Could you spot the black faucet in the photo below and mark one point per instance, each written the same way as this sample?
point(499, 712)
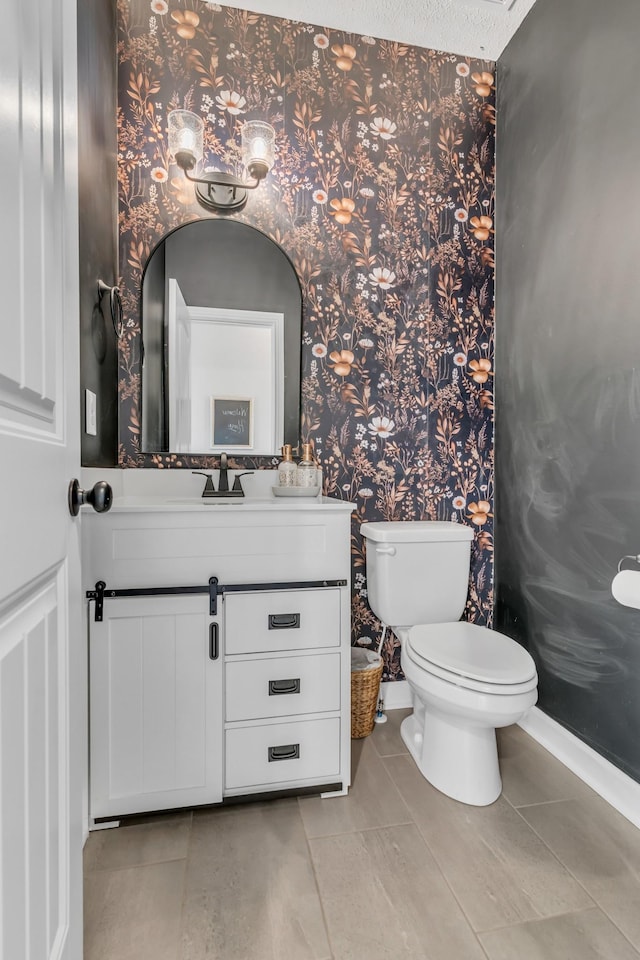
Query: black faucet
point(209, 489)
point(223, 482)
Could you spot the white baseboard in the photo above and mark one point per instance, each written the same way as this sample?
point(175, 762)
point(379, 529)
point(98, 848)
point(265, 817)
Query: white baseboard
point(607, 780)
point(396, 694)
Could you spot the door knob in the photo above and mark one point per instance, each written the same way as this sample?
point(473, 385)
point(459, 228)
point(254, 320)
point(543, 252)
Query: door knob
point(100, 497)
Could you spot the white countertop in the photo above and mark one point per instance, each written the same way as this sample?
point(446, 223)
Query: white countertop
point(148, 504)
point(180, 491)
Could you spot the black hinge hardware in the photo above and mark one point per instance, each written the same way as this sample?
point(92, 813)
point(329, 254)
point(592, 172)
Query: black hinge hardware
point(98, 596)
point(213, 596)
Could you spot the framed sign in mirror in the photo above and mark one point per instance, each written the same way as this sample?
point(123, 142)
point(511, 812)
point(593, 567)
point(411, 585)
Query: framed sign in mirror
point(232, 423)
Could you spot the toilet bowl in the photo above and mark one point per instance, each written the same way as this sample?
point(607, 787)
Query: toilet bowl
point(466, 680)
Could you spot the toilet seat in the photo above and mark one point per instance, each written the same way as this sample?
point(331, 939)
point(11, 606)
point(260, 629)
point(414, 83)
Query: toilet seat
point(470, 656)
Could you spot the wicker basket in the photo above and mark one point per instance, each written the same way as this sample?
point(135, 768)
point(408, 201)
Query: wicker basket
point(365, 685)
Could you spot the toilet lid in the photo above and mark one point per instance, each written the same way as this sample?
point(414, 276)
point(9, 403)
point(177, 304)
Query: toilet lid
point(471, 651)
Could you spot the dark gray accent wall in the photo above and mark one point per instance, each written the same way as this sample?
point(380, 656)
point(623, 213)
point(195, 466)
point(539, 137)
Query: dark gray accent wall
point(568, 361)
point(98, 223)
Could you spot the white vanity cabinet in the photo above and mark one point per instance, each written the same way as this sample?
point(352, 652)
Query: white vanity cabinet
point(241, 688)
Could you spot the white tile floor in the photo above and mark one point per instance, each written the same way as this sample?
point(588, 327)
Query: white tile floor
point(394, 871)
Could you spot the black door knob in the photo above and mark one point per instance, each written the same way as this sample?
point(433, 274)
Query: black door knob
point(100, 497)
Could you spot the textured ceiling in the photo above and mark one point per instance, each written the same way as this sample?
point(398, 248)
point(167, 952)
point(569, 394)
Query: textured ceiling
point(474, 28)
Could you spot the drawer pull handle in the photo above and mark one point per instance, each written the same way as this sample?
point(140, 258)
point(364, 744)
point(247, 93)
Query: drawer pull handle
point(279, 688)
point(288, 751)
point(213, 641)
point(284, 621)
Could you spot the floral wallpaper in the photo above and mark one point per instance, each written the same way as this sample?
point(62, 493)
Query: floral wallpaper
point(382, 195)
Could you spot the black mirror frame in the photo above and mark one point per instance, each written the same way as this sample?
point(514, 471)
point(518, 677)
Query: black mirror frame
point(249, 271)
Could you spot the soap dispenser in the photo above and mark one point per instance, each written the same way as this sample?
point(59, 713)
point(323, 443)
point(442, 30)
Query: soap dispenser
point(287, 470)
point(307, 469)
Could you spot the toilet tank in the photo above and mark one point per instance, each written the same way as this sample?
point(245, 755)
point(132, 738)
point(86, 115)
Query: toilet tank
point(417, 571)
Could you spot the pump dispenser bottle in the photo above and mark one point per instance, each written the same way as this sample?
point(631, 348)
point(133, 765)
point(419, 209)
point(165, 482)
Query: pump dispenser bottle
point(287, 470)
point(307, 469)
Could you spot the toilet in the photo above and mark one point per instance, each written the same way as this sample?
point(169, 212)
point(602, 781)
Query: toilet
point(466, 680)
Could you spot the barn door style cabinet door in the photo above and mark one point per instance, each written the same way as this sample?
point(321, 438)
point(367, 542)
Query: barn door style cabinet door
point(156, 706)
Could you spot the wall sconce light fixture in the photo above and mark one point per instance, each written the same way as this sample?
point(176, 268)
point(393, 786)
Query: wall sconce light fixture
point(221, 192)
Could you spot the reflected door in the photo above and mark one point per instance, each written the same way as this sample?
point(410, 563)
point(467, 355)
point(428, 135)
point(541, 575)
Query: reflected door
point(179, 337)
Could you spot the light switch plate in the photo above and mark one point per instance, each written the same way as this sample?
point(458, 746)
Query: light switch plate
point(90, 413)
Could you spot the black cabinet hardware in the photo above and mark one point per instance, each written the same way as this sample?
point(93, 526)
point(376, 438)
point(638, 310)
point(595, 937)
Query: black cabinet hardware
point(215, 589)
point(100, 594)
point(213, 641)
point(280, 688)
point(284, 621)
point(287, 751)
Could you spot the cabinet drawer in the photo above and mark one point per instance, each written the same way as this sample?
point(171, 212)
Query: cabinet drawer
point(282, 686)
point(282, 752)
point(282, 620)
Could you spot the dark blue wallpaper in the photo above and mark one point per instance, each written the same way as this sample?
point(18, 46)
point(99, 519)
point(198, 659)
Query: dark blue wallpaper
point(382, 195)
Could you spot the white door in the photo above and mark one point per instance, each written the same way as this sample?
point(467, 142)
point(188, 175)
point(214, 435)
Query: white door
point(179, 328)
point(156, 705)
point(41, 701)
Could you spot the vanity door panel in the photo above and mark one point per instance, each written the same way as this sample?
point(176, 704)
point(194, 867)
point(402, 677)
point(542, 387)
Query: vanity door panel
point(283, 620)
point(156, 706)
point(282, 686)
point(279, 753)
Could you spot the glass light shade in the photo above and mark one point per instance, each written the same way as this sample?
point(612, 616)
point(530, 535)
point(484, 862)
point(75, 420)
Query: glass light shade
point(186, 133)
point(258, 147)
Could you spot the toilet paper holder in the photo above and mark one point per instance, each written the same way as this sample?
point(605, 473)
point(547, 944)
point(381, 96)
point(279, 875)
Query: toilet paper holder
point(629, 556)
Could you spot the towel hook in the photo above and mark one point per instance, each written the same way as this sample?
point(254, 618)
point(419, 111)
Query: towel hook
point(115, 306)
point(629, 556)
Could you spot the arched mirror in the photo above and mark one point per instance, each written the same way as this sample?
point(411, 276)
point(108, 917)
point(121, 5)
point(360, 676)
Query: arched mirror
point(221, 332)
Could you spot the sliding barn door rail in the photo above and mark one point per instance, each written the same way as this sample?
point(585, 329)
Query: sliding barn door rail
point(214, 589)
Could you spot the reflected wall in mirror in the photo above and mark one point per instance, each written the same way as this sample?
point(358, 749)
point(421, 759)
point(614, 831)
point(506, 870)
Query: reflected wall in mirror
point(221, 329)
